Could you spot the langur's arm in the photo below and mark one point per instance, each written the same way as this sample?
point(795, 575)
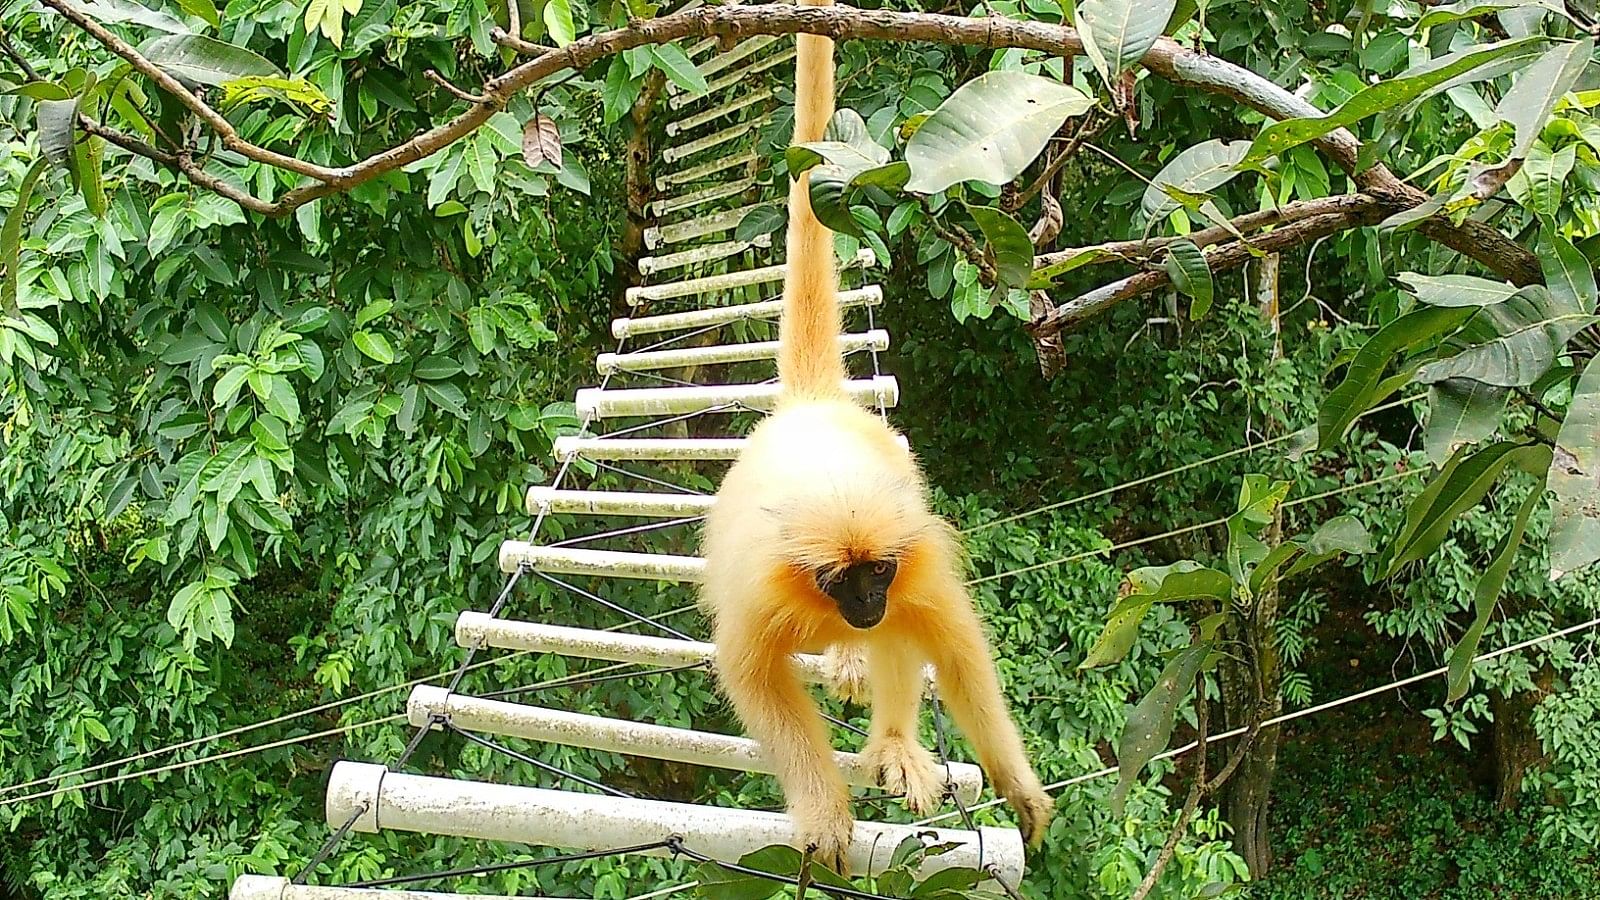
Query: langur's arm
point(970, 689)
point(757, 673)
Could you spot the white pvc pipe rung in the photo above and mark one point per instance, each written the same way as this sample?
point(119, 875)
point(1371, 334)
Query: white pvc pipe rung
point(723, 60)
point(871, 295)
point(695, 198)
point(645, 361)
point(879, 390)
point(712, 223)
point(676, 449)
point(268, 887)
point(699, 748)
point(734, 77)
point(703, 253)
point(714, 139)
point(397, 801)
point(613, 563)
point(681, 449)
point(542, 498)
point(710, 284)
point(705, 169)
point(711, 115)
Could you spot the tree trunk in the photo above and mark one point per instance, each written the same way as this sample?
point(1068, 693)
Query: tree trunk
point(1247, 799)
point(638, 159)
point(1516, 745)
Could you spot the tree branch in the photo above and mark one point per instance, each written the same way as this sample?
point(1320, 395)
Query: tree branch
point(1167, 59)
point(21, 61)
point(182, 162)
point(1229, 256)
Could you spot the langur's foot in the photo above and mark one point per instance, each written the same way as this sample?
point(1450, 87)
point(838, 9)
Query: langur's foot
point(903, 766)
point(824, 834)
point(1033, 806)
point(845, 669)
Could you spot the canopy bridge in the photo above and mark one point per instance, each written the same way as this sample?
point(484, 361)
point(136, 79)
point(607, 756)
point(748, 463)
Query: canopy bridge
point(693, 370)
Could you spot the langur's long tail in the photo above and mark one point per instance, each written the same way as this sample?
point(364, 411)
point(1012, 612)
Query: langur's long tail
point(809, 362)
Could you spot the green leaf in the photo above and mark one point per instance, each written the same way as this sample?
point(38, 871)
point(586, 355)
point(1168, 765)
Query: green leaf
point(373, 311)
point(116, 12)
point(830, 198)
point(764, 219)
point(39, 90)
point(1544, 176)
point(91, 182)
point(1484, 597)
point(447, 396)
point(1190, 273)
point(1531, 99)
point(558, 19)
point(11, 238)
point(850, 157)
point(1512, 343)
point(1008, 242)
point(1463, 481)
point(198, 59)
point(1456, 290)
point(989, 130)
point(227, 387)
point(263, 88)
point(1567, 272)
point(202, 9)
point(1460, 412)
point(1117, 33)
point(1575, 479)
point(1144, 587)
point(1339, 535)
point(58, 124)
point(435, 368)
point(1279, 137)
point(673, 61)
point(716, 882)
point(375, 346)
point(1471, 9)
point(1198, 170)
point(1149, 725)
point(481, 329)
point(1359, 389)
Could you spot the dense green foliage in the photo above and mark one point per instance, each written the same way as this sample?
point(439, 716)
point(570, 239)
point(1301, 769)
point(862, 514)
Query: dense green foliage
point(256, 465)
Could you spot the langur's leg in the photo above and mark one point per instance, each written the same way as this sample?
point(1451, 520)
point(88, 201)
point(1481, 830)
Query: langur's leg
point(759, 678)
point(845, 668)
point(968, 685)
point(902, 764)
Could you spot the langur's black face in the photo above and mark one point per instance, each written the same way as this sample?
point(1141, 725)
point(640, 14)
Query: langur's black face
point(861, 590)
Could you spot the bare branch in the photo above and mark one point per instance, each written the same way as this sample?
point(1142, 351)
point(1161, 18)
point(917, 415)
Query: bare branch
point(21, 61)
point(1229, 256)
point(434, 76)
point(182, 161)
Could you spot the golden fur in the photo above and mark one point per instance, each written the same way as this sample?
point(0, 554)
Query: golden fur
point(823, 484)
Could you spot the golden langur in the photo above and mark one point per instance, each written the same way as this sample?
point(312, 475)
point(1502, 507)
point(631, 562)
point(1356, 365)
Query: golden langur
point(822, 539)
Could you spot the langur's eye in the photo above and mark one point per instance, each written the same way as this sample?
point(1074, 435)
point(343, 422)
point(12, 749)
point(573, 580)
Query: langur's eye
point(882, 567)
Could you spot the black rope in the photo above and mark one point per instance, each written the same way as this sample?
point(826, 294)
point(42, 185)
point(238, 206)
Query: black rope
point(505, 866)
point(596, 679)
point(647, 479)
point(632, 529)
point(955, 795)
point(641, 618)
point(676, 844)
point(540, 764)
point(845, 725)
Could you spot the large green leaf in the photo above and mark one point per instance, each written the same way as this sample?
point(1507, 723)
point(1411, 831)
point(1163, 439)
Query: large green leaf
point(1471, 9)
point(1149, 725)
point(1197, 170)
point(198, 59)
point(1540, 183)
point(1008, 242)
point(1567, 272)
point(1455, 290)
point(989, 130)
point(673, 61)
point(1337, 536)
point(1117, 33)
point(1403, 88)
point(11, 237)
point(1259, 498)
point(1359, 389)
point(1460, 412)
point(1511, 344)
point(117, 12)
point(1190, 273)
point(1458, 487)
point(1141, 589)
point(1484, 596)
point(58, 124)
point(1575, 479)
point(1529, 102)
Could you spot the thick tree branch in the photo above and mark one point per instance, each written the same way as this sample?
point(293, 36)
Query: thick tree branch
point(1166, 58)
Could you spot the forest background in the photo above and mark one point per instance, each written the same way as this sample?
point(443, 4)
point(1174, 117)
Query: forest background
point(256, 464)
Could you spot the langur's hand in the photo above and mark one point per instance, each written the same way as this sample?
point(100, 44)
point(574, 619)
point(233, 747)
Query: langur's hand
point(823, 832)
